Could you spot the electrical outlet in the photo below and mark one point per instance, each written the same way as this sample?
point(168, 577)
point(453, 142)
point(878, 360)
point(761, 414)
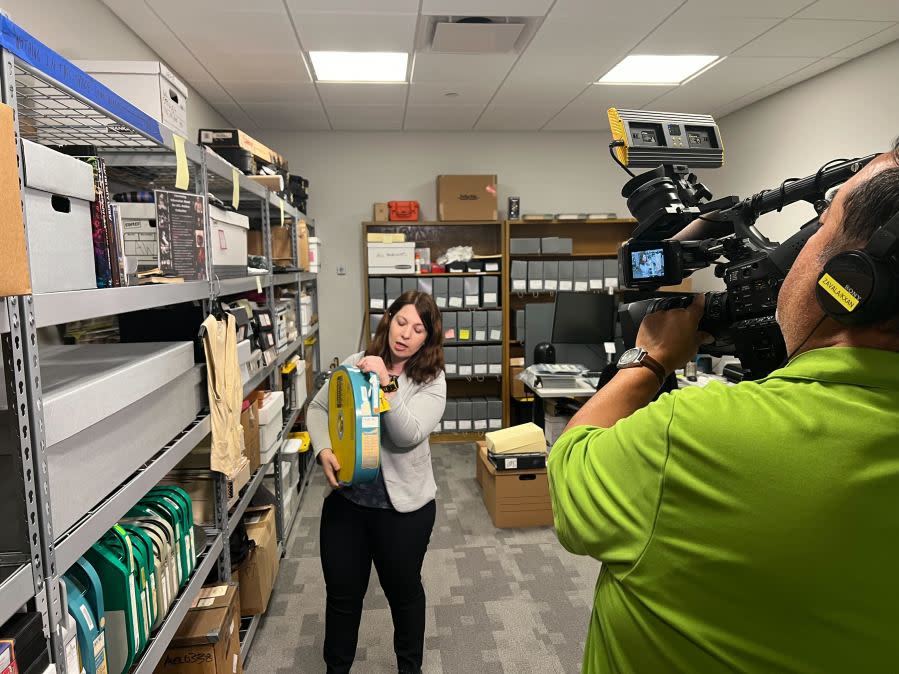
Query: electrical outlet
point(341, 270)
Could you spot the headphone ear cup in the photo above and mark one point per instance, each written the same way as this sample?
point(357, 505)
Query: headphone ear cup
point(854, 288)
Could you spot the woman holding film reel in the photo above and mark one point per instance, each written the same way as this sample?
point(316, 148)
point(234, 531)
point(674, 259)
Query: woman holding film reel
point(389, 520)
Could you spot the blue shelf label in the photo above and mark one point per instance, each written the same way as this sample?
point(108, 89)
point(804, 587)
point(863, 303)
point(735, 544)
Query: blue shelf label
point(47, 61)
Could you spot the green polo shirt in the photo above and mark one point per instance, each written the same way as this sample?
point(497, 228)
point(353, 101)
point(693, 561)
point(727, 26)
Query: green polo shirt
point(752, 528)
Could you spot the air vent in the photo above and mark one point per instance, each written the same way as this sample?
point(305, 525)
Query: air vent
point(477, 35)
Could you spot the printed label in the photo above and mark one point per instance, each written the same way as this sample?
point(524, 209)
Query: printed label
point(449, 425)
point(465, 370)
point(471, 300)
point(480, 368)
point(100, 650)
point(87, 617)
point(519, 284)
point(480, 335)
point(536, 285)
point(596, 284)
point(489, 298)
point(371, 446)
point(845, 295)
point(480, 424)
point(132, 612)
point(222, 590)
point(5, 658)
point(451, 368)
point(441, 302)
point(379, 304)
point(496, 368)
point(370, 422)
point(611, 282)
point(455, 301)
point(565, 285)
point(204, 603)
point(465, 425)
point(511, 464)
point(496, 335)
point(552, 285)
point(581, 286)
point(72, 663)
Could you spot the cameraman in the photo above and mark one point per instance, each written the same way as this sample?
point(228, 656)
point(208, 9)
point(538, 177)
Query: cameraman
point(751, 528)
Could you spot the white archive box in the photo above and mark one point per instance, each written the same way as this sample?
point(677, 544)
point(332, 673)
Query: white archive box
point(108, 408)
point(58, 193)
point(270, 424)
point(148, 85)
point(139, 236)
point(315, 253)
point(391, 258)
point(306, 311)
point(229, 242)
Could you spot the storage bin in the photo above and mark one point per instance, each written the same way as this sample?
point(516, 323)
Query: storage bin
point(315, 245)
point(148, 85)
point(108, 408)
point(391, 258)
point(57, 196)
point(229, 242)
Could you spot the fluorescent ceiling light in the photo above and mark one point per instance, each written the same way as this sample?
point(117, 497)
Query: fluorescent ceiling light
point(359, 66)
point(662, 69)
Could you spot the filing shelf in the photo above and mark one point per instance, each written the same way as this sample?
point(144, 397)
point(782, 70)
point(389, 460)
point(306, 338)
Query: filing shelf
point(57, 104)
point(72, 544)
point(248, 627)
point(249, 491)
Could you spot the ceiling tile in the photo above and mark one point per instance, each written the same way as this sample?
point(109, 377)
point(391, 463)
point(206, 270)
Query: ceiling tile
point(516, 118)
point(876, 41)
point(859, 10)
point(813, 70)
point(237, 116)
point(707, 35)
point(730, 79)
point(353, 6)
point(744, 10)
point(212, 8)
point(429, 93)
point(271, 91)
point(356, 32)
point(232, 65)
point(433, 67)
point(212, 91)
point(441, 117)
point(810, 37)
point(366, 117)
point(589, 112)
point(283, 117)
point(485, 7)
point(375, 93)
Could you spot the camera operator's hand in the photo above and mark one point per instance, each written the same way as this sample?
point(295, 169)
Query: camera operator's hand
point(672, 337)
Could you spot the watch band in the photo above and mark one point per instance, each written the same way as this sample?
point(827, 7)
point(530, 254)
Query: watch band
point(394, 385)
point(655, 366)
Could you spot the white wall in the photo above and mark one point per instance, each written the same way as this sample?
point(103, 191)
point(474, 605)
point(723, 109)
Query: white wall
point(88, 29)
point(850, 111)
point(348, 172)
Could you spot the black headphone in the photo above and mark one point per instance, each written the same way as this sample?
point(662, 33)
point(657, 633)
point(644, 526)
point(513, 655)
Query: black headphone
point(861, 286)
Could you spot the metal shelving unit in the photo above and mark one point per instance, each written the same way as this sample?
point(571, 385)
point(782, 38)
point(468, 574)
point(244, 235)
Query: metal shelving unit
point(57, 104)
point(249, 491)
point(248, 627)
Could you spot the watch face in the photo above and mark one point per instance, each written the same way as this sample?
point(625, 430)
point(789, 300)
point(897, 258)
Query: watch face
point(628, 357)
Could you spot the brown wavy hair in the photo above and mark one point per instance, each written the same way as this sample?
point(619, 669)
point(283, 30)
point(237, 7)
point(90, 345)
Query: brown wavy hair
point(427, 363)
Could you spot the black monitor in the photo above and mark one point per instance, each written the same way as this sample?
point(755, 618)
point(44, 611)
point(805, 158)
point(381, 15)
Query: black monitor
point(584, 318)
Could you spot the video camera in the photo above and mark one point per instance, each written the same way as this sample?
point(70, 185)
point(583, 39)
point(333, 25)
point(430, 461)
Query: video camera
point(680, 229)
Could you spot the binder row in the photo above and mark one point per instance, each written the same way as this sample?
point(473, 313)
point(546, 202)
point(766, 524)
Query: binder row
point(473, 361)
point(469, 292)
point(460, 327)
point(472, 414)
point(565, 275)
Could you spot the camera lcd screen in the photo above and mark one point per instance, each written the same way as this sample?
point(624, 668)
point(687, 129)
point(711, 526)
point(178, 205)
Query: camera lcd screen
point(648, 263)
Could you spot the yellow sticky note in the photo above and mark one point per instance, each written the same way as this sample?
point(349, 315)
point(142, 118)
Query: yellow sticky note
point(235, 190)
point(281, 201)
point(182, 174)
point(464, 334)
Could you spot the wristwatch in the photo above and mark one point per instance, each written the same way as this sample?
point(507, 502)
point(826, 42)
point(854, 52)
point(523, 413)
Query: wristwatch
point(638, 357)
point(393, 386)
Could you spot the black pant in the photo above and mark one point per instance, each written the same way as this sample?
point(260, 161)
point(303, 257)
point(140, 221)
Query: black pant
point(352, 537)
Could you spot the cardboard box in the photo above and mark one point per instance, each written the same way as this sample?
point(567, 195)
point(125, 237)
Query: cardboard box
point(237, 138)
point(258, 572)
point(466, 197)
point(249, 419)
point(381, 213)
point(535, 275)
point(391, 258)
point(519, 275)
point(376, 289)
point(441, 292)
point(208, 640)
point(514, 498)
point(524, 246)
point(148, 85)
point(229, 242)
point(58, 193)
point(495, 326)
point(556, 245)
point(451, 360)
point(282, 251)
point(303, 248)
point(15, 278)
point(490, 291)
point(450, 331)
point(551, 275)
point(518, 389)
